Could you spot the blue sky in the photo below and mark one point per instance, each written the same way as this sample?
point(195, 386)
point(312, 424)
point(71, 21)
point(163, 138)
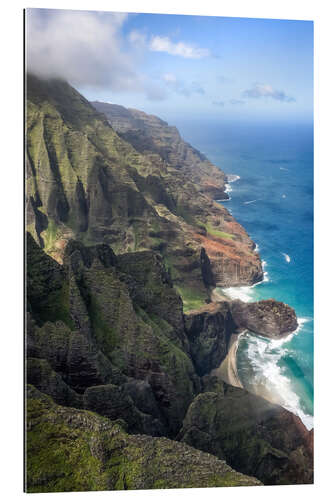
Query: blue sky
point(228, 68)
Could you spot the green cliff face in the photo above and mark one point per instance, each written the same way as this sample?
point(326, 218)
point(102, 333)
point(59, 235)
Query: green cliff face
point(77, 450)
point(251, 434)
point(152, 136)
point(117, 323)
point(120, 346)
point(87, 183)
point(120, 394)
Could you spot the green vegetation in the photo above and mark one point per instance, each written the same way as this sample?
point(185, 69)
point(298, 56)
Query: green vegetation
point(105, 334)
point(50, 234)
point(216, 232)
point(192, 298)
point(77, 450)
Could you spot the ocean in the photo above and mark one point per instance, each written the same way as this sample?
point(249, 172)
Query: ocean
point(271, 166)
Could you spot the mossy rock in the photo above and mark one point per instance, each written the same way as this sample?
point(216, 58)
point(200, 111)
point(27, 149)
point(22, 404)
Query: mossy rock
point(254, 436)
point(77, 450)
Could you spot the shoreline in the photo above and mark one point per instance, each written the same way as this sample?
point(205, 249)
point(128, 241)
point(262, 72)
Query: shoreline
point(227, 371)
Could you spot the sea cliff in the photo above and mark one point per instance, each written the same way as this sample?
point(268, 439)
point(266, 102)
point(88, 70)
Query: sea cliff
point(125, 244)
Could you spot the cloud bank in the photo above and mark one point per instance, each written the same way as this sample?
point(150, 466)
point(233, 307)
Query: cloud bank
point(82, 47)
point(260, 90)
point(85, 48)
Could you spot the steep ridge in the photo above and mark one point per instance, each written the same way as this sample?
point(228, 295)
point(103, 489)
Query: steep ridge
point(109, 322)
point(76, 450)
point(151, 135)
point(85, 182)
point(106, 334)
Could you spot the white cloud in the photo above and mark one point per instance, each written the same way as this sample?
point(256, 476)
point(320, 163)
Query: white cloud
point(181, 49)
point(83, 47)
point(259, 90)
point(87, 49)
point(137, 39)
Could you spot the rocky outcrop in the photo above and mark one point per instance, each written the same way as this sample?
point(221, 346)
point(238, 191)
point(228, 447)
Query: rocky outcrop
point(41, 375)
point(268, 318)
point(127, 402)
point(251, 434)
point(209, 330)
point(124, 321)
point(76, 450)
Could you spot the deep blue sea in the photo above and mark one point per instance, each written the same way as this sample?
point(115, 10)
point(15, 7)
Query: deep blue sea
point(273, 200)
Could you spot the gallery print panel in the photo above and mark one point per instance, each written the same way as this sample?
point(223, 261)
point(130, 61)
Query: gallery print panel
point(169, 251)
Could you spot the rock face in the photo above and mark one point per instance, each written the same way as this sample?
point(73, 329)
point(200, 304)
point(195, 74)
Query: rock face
point(209, 330)
point(100, 455)
point(120, 319)
point(119, 345)
point(268, 318)
point(86, 182)
point(148, 134)
point(251, 434)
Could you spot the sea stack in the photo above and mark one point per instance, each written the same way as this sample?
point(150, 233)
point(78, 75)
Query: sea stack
point(268, 318)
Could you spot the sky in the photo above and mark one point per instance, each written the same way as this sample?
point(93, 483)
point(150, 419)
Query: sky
point(174, 66)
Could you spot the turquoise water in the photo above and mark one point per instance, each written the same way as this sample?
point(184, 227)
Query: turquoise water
point(273, 200)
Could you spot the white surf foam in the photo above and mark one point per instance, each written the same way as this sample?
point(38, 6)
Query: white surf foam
point(246, 293)
point(269, 380)
point(301, 322)
point(286, 256)
point(265, 278)
point(232, 178)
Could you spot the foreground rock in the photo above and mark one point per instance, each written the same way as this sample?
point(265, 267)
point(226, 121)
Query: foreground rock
point(268, 318)
point(76, 450)
point(251, 434)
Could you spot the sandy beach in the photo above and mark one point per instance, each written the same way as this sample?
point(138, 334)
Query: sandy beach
point(227, 370)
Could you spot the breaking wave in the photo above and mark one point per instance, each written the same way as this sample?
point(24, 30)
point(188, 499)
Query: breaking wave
point(286, 256)
point(230, 178)
point(264, 374)
point(246, 293)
